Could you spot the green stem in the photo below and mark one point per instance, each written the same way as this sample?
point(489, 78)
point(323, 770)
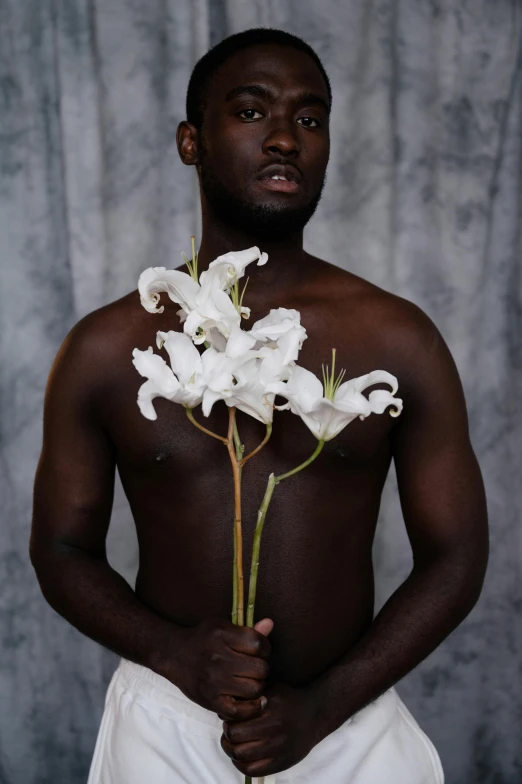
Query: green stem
point(239, 452)
point(236, 469)
point(234, 581)
point(261, 515)
point(237, 443)
point(306, 463)
point(190, 415)
point(255, 549)
point(261, 445)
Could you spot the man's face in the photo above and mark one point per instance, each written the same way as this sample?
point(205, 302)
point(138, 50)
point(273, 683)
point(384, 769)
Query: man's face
point(282, 120)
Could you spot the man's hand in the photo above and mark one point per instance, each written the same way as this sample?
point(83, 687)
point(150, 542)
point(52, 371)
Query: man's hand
point(220, 666)
point(280, 737)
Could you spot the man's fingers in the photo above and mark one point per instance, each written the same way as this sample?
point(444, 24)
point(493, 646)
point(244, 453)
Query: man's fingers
point(257, 769)
point(247, 640)
point(244, 688)
point(244, 752)
point(243, 666)
point(264, 626)
point(240, 710)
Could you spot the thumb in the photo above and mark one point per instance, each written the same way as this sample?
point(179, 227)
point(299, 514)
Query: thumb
point(264, 626)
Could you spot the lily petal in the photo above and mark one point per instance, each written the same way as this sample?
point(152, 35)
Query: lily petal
point(272, 367)
point(254, 403)
point(375, 377)
point(381, 399)
point(209, 398)
point(226, 269)
point(239, 342)
point(276, 323)
point(161, 380)
point(153, 366)
point(333, 418)
point(185, 359)
point(146, 394)
point(290, 343)
point(303, 389)
point(180, 287)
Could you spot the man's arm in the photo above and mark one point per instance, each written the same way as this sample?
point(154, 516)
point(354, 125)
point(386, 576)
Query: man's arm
point(73, 498)
point(444, 507)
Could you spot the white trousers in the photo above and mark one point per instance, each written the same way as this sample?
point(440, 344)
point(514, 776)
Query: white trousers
point(151, 733)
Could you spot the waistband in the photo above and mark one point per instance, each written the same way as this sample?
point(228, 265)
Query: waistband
point(142, 681)
point(153, 687)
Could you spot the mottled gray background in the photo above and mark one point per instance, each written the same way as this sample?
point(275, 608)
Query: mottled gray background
point(423, 197)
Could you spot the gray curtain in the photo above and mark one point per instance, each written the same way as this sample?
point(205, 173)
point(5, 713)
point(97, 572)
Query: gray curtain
point(422, 198)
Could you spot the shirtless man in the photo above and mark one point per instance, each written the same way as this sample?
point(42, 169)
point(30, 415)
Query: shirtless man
point(317, 654)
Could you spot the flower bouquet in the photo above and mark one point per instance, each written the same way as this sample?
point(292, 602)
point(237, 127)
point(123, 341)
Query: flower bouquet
point(245, 369)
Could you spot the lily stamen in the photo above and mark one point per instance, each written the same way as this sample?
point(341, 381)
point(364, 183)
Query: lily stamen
point(191, 265)
point(330, 383)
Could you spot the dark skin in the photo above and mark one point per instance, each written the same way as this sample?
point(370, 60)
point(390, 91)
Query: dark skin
point(317, 655)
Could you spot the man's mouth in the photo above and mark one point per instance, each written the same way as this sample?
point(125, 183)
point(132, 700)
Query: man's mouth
point(281, 177)
point(280, 184)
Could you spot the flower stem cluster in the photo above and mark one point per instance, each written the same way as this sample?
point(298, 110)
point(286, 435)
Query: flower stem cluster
point(245, 369)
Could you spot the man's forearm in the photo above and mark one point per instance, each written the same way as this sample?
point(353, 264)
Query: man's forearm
point(431, 602)
point(95, 599)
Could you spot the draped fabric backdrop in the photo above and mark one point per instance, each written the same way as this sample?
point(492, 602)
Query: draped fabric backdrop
point(423, 198)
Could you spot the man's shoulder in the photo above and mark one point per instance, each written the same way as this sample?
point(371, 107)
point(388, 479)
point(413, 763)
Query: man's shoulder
point(94, 345)
point(378, 311)
point(113, 320)
point(394, 333)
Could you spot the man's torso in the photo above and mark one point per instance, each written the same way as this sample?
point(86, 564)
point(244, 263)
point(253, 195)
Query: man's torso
point(315, 576)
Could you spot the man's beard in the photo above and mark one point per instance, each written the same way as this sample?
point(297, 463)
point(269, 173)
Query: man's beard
point(262, 221)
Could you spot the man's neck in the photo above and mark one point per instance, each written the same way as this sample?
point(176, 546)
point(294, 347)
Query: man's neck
point(288, 263)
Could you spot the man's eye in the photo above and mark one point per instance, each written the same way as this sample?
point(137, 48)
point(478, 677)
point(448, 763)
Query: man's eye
point(249, 110)
point(317, 123)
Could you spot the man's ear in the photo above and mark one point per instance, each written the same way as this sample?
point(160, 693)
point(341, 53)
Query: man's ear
point(187, 141)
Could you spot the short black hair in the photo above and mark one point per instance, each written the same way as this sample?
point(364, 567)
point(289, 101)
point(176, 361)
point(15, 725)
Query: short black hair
point(207, 65)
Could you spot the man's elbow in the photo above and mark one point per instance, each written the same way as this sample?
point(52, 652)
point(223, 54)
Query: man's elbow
point(53, 560)
point(460, 573)
point(44, 557)
point(473, 568)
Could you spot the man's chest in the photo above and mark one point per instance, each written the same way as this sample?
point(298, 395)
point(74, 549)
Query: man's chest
point(172, 446)
point(172, 443)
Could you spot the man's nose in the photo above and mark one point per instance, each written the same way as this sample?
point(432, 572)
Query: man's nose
point(282, 139)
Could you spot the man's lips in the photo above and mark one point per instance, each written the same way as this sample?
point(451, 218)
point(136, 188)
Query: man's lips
point(291, 182)
point(286, 186)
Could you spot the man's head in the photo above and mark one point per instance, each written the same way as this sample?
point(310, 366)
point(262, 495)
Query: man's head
point(280, 120)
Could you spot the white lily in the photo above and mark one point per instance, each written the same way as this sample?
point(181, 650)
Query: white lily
point(226, 270)
point(191, 378)
point(281, 328)
point(252, 376)
point(327, 410)
point(214, 310)
point(206, 308)
point(218, 375)
point(205, 311)
point(180, 287)
point(280, 331)
point(256, 364)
